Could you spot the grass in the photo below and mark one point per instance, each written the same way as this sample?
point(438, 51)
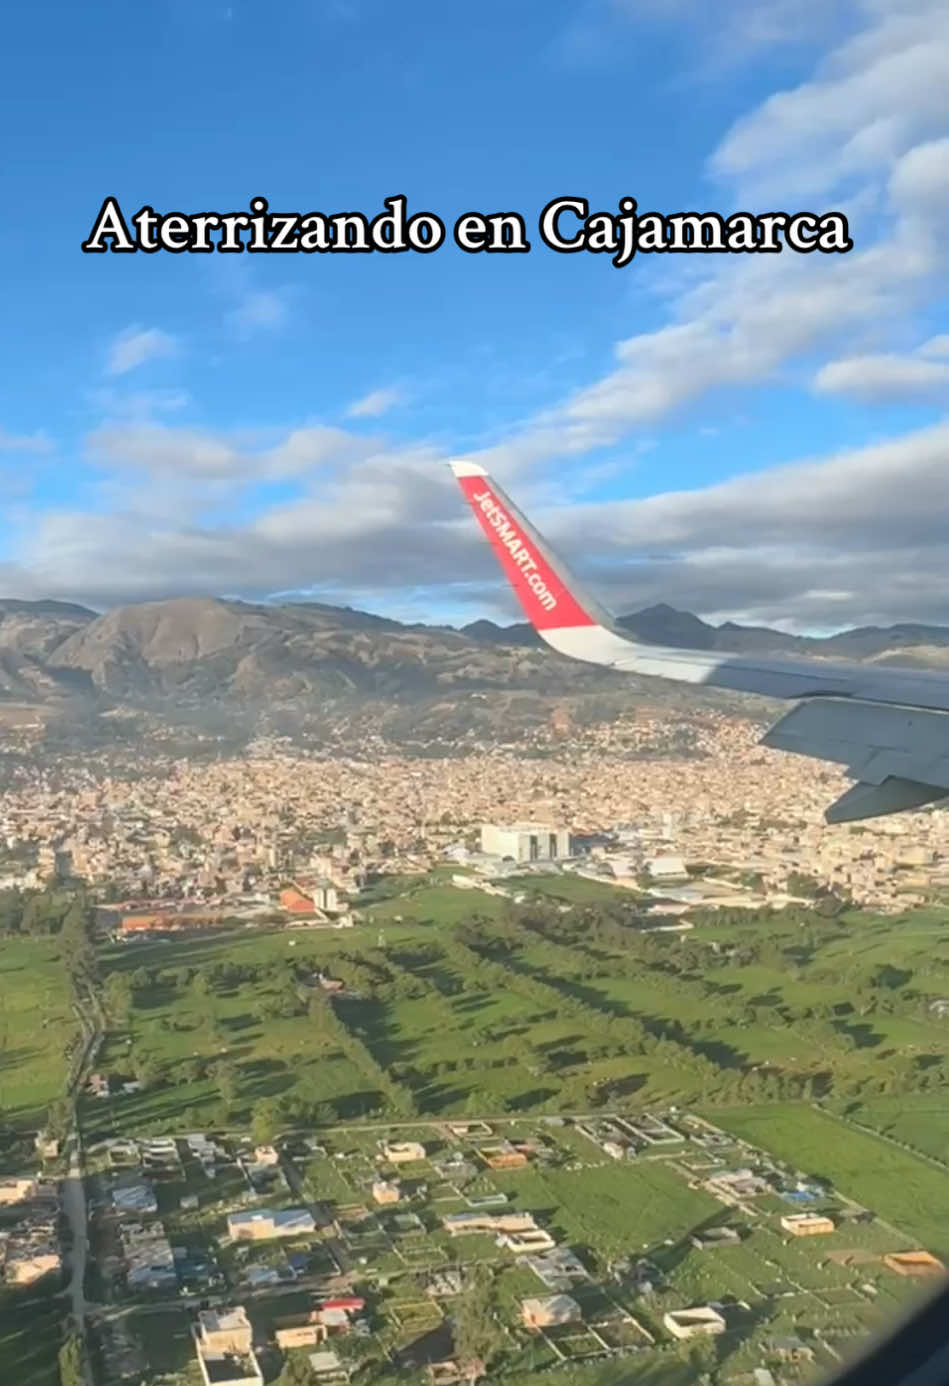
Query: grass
point(36, 1022)
point(167, 1343)
point(895, 1184)
point(920, 1120)
point(31, 1328)
point(436, 904)
point(460, 1045)
point(572, 889)
point(272, 1056)
point(604, 1210)
point(537, 1039)
point(614, 1209)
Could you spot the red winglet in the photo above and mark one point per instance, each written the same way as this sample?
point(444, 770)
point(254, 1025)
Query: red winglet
point(547, 601)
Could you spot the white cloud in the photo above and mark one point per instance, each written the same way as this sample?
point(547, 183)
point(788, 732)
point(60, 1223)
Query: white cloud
point(868, 133)
point(857, 537)
point(744, 27)
point(259, 310)
point(35, 443)
point(155, 448)
point(375, 404)
point(871, 99)
point(884, 376)
point(135, 346)
point(738, 328)
point(158, 450)
point(853, 538)
point(138, 404)
point(715, 38)
point(390, 516)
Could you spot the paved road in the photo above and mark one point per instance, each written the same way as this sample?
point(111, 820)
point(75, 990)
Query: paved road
point(74, 1207)
point(73, 1191)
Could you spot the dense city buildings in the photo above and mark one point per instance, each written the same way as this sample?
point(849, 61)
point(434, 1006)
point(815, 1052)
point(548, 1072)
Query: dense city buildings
point(302, 832)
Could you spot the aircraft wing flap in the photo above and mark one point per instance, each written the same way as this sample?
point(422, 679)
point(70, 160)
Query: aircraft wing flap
point(874, 740)
point(899, 756)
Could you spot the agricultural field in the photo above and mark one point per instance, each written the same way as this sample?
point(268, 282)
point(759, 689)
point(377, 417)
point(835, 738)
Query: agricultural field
point(899, 1186)
point(36, 1024)
point(918, 1120)
point(30, 1336)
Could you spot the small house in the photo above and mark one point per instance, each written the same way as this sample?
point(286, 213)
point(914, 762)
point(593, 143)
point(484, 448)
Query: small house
point(807, 1224)
point(550, 1311)
point(700, 1321)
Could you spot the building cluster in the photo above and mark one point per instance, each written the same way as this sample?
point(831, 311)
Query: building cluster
point(334, 1253)
point(140, 1253)
point(300, 833)
point(30, 1248)
point(224, 1341)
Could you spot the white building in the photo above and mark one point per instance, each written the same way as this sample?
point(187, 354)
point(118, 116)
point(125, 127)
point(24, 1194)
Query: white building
point(224, 1344)
point(403, 1152)
point(525, 842)
point(667, 868)
point(225, 1331)
point(700, 1321)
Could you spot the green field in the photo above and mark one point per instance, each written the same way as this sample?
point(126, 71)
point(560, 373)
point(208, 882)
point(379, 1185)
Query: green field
point(614, 1209)
point(36, 1023)
point(461, 1004)
point(457, 1004)
point(606, 1211)
point(435, 904)
point(896, 1185)
point(31, 1328)
point(918, 1120)
point(272, 1056)
point(559, 1004)
point(577, 890)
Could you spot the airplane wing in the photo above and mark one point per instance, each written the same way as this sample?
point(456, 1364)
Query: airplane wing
point(889, 727)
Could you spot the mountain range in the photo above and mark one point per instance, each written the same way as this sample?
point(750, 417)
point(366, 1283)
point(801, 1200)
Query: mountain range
point(921, 646)
point(230, 667)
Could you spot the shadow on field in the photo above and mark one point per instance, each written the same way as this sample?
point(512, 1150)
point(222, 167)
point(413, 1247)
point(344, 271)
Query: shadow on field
point(439, 1096)
point(265, 1078)
point(862, 1036)
point(533, 1098)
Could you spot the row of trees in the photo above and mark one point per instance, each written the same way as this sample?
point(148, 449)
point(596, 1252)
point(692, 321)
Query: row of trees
point(718, 1072)
point(328, 1024)
point(35, 913)
point(619, 1034)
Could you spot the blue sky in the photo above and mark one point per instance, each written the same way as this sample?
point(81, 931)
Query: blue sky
point(763, 439)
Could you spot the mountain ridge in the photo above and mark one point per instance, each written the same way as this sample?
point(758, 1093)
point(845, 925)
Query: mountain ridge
point(198, 661)
point(656, 624)
point(664, 624)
